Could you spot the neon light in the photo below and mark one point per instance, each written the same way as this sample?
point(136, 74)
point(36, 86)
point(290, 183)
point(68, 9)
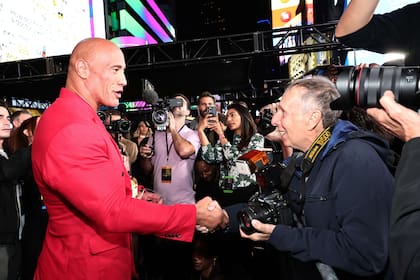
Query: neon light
point(131, 25)
point(129, 41)
point(92, 24)
point(165, 21)
point(97, 21)
point(144, 14)
point(136, 105)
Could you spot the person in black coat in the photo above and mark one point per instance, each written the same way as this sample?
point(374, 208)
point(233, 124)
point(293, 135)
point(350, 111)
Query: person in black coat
point(36, 216)
point(404, 245)
point(11, 212)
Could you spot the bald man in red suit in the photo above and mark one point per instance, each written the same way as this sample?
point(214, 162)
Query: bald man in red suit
point(86, 187)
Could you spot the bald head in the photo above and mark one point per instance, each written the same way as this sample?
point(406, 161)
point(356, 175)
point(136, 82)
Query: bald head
point(92, 49)
point(96, 72)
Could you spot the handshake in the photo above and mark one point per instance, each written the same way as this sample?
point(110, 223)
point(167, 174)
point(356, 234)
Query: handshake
point(210, 216)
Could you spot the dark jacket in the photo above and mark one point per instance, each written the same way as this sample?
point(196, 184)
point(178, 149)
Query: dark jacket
point(347, 208)
point(10, 171)
point(404, 244)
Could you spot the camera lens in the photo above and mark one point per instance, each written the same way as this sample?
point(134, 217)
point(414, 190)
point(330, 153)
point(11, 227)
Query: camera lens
point(102, 115)
point(124, 126)
point(159, 117)
point(365, 86)
point(264, 126)
point(245, 222)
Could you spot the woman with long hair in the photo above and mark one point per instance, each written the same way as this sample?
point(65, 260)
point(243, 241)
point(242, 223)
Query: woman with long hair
point(36, 216)
point(240, 137)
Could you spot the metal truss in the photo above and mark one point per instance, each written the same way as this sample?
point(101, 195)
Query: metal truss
point(291, 40)
point(288, 41)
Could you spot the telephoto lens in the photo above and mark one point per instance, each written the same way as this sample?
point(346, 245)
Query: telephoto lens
point(364, 86)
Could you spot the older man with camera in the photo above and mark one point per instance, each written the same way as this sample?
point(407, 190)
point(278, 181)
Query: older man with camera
point(341, 191)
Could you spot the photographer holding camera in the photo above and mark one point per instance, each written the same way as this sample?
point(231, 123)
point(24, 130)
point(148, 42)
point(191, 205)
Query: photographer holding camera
point(169, 155)
point(343, 189)
point(404, 244)
point(118, 127)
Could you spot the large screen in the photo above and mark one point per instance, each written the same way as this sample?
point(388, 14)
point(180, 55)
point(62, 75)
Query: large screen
point(138, 22)
point(362, 56)
point(39, 28)
point(288, 13)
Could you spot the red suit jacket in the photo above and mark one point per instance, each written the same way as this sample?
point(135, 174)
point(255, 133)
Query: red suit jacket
point(87, 192)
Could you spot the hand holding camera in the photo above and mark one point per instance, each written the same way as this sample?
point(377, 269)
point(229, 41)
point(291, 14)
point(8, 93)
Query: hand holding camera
point(262, 231)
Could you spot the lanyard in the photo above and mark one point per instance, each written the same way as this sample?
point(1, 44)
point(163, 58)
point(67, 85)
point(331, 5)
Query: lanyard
point(168, 148)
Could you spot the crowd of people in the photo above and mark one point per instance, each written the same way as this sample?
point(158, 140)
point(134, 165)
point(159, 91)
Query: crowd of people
point(82, 197)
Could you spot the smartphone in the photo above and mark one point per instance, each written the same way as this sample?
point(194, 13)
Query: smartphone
point(211, 111)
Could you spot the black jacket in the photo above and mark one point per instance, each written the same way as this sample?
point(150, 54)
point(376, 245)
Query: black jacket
point(11, 170)
point(404, 243)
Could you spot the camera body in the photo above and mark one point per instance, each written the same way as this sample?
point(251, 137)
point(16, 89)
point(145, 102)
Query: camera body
point(117, 126)
point(271, 205)
point(264, 125)
point(160, 117)
point(364, 86)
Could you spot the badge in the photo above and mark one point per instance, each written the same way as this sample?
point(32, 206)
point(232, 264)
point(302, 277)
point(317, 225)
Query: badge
point(166, 174)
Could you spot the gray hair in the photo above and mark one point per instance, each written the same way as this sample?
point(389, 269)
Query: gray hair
point(319, 93)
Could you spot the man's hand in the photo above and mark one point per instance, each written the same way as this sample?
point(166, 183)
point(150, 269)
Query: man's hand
point(210, 216)
point(150, 196)
point(146, 151)
point(213, 124)
point(202, 123)
point(401, 121)
point(172, 125)
point(263, 231)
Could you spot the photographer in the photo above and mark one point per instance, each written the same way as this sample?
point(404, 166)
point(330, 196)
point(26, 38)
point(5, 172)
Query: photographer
point(117, 128)
point(343, 188)
point(404, 243)
point(206, 175)
point(169, 155)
